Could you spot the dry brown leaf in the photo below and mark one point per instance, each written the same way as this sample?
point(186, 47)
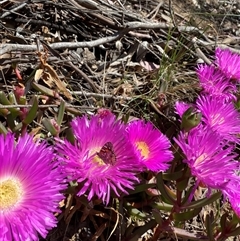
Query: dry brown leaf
point(123, 90)
point(48, 80)
point(38, 74)
point(54, 76)
point(35, 133)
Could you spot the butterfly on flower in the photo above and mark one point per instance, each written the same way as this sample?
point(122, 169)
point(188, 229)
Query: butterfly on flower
point(107, 153)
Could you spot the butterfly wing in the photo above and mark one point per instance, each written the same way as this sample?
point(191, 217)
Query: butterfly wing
point(107, 153)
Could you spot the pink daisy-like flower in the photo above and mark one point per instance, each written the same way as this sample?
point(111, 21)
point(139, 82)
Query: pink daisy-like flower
point(228, 62)
point(102, 158)
point(30, 185)
point(205, 152)
point(151, 146)
point(232, 193)
point(215, 83)
point(221, 116)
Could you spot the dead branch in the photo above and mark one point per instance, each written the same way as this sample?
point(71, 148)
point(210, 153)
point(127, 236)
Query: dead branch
point(6, 48)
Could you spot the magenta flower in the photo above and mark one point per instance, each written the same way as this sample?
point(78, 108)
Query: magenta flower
point(215, 83)
point(102, 158)
point(30, 185)
point(151, 146)
point(232, 193)
point(210, 160)
point(228, 62)
point(221, 116)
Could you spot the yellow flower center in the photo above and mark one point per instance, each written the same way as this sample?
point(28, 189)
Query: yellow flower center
point(143, 148)
point(11, 193)
point(96, 159)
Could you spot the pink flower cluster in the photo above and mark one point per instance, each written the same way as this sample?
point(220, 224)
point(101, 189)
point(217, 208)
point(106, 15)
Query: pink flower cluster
point(105, 159)
point(107, 154)
point(209, 147)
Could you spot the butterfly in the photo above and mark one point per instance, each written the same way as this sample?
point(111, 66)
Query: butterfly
point(107, 153)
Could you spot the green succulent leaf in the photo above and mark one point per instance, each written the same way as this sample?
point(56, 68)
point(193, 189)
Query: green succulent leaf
point(43, 89)
point(182, 185)
point(205, 201)
point(136, 235)
point(12, 98)
point(172, 176)
point(3, 129)
point(184, 216)
point(223, 221)
point(22, 100)
point(32, 112)
point(49, 126)
point(190, 119)
point(157, 216)
point(162, 206)
point(234, 232)
point(135, 212)
point(209, 225)
point(70, 136)
point(4, 101)
point(141, 188)
point(11, 121)
point(187, 195)
point(166, 193)
point(61, 113)
point(235, 221)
